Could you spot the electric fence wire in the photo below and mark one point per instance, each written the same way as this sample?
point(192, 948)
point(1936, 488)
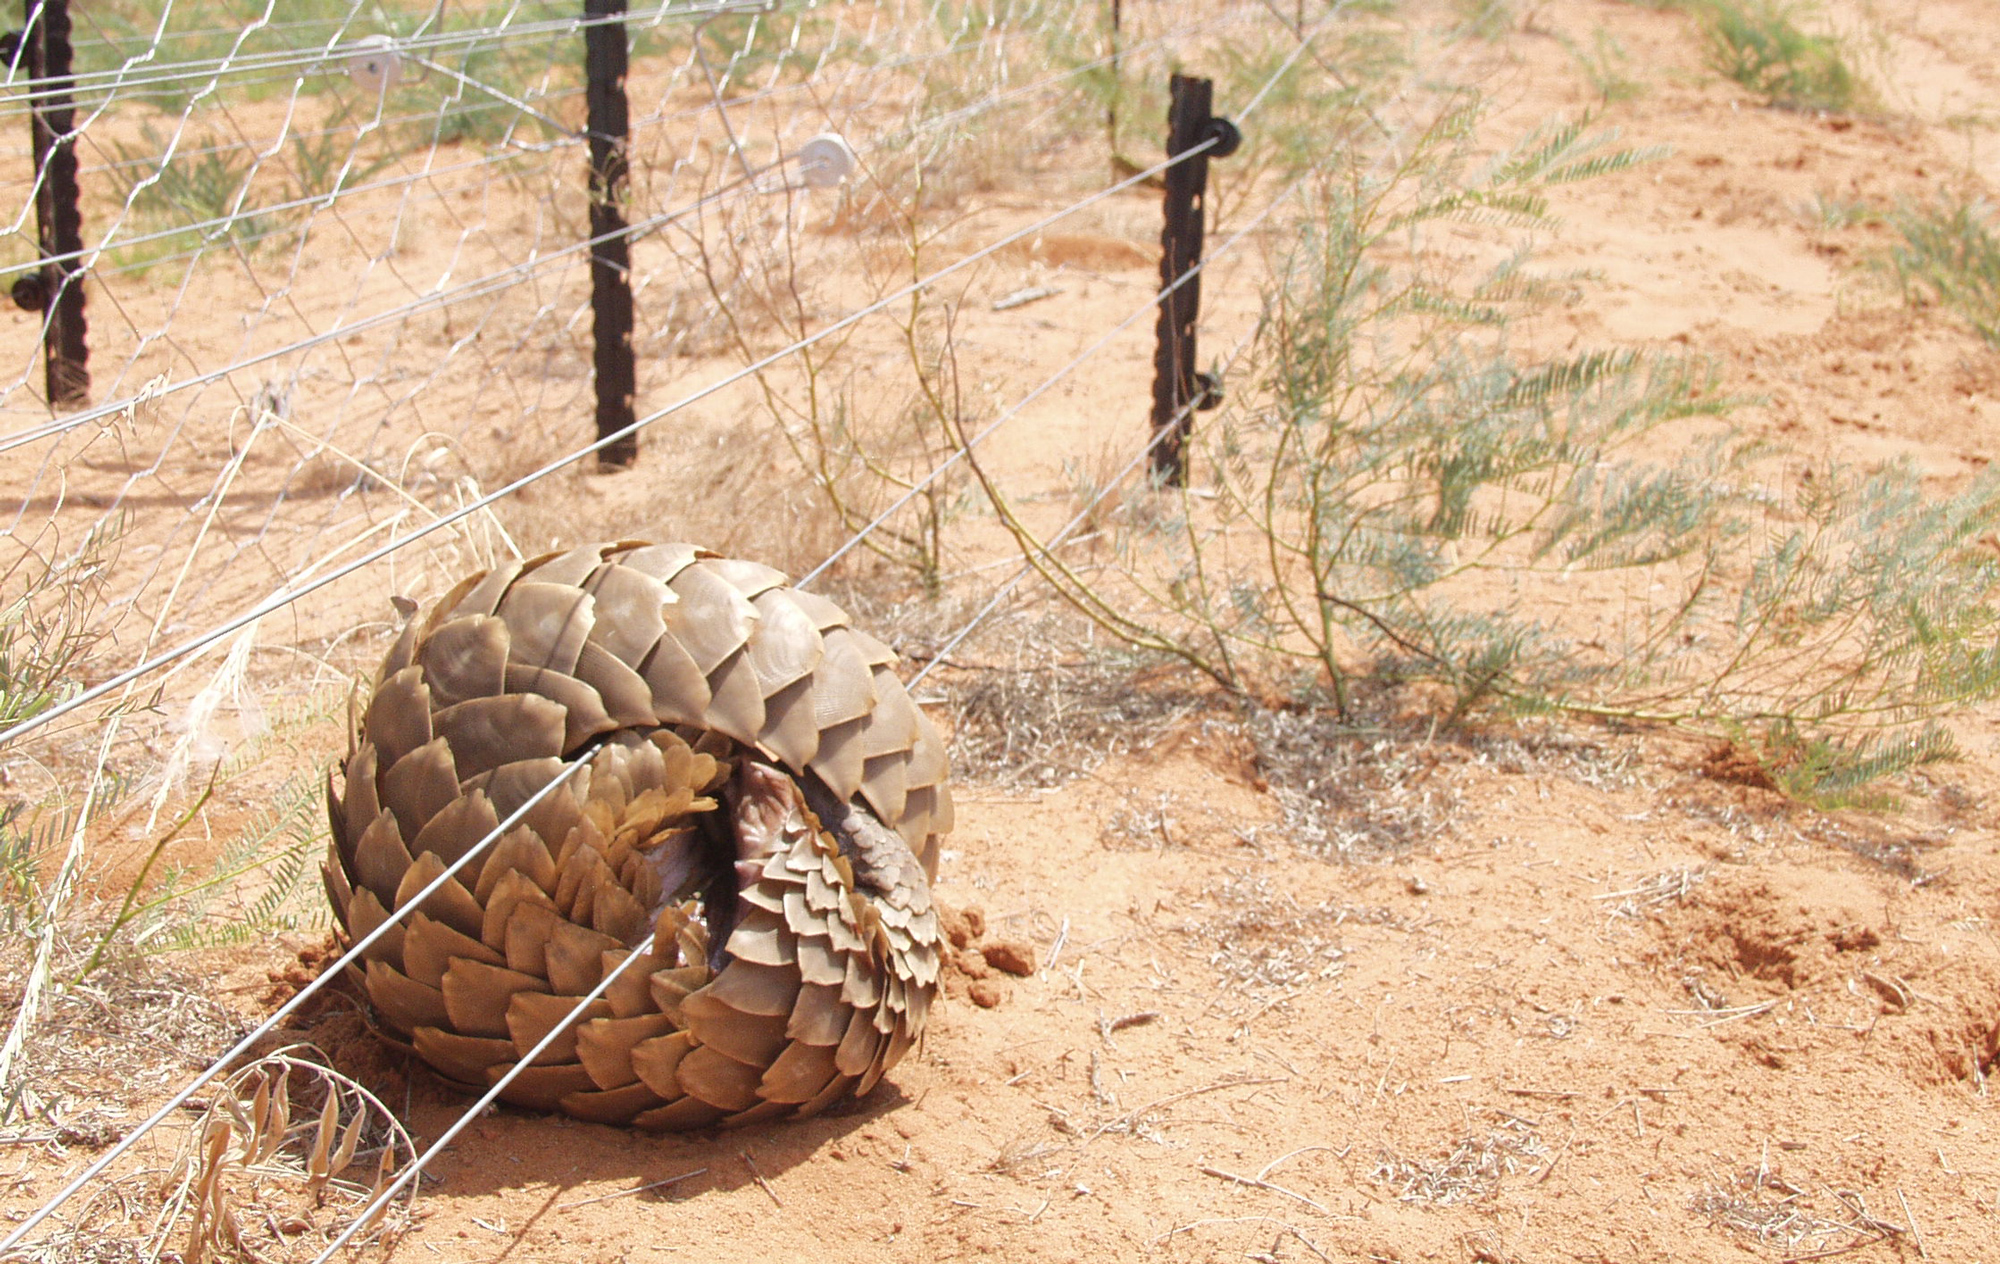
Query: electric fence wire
point(920, 126)
point(417, 49)
point(221, 226)
point(354, 952)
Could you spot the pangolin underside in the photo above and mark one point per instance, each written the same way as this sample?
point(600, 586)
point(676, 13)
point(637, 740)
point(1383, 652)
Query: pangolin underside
point(761, 797)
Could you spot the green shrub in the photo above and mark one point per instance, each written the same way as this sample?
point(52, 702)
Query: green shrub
point(1949, 250)
point(1757, 44)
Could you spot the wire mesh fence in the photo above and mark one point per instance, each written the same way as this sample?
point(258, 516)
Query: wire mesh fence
point(336, 273)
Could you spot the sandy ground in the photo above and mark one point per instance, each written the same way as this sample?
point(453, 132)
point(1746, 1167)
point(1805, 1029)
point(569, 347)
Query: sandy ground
point(1559, 995)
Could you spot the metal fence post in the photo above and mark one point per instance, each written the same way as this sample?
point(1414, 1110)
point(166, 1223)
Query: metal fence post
point(56, 290)
point(1117, 84)
point(1176, 384)
point(609, 124)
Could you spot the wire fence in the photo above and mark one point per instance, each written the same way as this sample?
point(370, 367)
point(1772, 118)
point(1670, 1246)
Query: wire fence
point(316, 275)
point(335, 263)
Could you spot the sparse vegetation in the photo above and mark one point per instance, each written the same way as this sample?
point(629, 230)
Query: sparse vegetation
point(1761, 45)
point(1949, 252)
point(1401, 499)
point(50, 623)
point(1607, 64)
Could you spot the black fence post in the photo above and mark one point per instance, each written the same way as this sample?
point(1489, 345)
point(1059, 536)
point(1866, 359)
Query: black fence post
point(1176, 384)
point(56, 290)
point(609, 123)
point(1117, 85)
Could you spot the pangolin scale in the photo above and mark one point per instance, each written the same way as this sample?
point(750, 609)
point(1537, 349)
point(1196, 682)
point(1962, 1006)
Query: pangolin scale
point(761, 796)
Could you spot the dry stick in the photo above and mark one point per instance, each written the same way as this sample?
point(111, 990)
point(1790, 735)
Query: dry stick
point(326, 976)
point(472, 1112)
point(1747, 1011)
point(1131, 1116)
point(1265, 1171)
point(759, 1176)
point(1258, 1182)
point(1916, 1230)
point(1562, 1150)
point(626, 1193)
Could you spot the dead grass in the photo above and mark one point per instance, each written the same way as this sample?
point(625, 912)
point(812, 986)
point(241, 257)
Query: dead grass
point(1471, 1172)
point(1033, 698)
point(134, 1026)
point(261, 1167)
point(1662, 890)
point(1260, 939)
point(1356, 794)
point(1760, 1205)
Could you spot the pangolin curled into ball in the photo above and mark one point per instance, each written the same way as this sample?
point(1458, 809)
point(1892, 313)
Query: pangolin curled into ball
point(761, 796)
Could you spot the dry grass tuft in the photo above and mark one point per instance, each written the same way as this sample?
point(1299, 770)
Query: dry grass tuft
point(1034, 698)
point(1471, 1172)
point(263, 1173)
point(1352, 794)
point(1761, 1205)
point(132, 1027)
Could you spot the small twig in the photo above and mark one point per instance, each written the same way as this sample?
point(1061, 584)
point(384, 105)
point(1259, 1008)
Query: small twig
point(1730, 1016)
point(1131, 1116)
point(1021, 298)
point(1855, 1245)
point(1560, 1151)
point(766, 1185)
point(1192, 1225)
point(1097, 1088)
point(1055, 949)
point(1256, 1183)
point(671, 1180)
point(1265, 1171)
point(1916, 1231)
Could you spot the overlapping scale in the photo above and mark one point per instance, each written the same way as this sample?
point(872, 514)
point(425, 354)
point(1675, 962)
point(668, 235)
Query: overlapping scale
point(752, 742)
